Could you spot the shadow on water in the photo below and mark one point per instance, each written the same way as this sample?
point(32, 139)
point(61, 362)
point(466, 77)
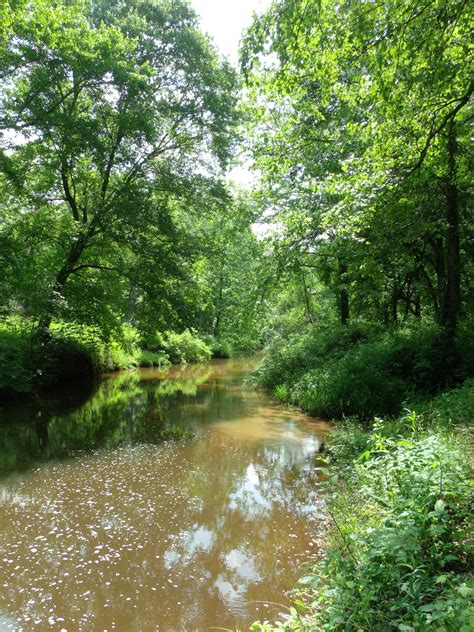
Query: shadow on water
point(106, 524)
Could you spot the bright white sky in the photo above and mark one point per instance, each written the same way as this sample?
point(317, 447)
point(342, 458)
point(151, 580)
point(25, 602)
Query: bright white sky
point(224, 21)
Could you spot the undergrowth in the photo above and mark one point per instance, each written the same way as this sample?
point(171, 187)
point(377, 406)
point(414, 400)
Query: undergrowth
point(361, 370)
point(71, 351)
point(400, 551)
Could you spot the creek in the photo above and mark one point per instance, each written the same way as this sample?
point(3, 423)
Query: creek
point(179, 500)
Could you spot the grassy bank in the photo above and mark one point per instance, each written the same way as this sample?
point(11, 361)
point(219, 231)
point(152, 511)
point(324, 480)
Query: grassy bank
point(364, 370)
point(400, 509)
point(76, 351)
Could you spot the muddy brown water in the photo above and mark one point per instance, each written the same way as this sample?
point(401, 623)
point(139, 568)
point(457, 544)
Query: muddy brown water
point(172, 501)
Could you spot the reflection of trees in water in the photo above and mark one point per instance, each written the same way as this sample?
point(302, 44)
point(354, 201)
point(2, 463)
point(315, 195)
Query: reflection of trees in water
point(124, 409)
point(223, 517)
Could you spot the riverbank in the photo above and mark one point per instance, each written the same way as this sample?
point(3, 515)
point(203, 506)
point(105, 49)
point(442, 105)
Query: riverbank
point(71, 351)
point(399, 552)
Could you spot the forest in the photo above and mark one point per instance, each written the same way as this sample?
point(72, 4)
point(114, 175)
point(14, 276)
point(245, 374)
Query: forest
point(348, 263)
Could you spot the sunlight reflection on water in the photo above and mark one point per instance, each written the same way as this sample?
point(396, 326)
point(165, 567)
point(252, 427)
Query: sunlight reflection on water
point(122, 528)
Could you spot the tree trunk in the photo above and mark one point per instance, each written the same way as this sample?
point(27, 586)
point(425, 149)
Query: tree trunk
point(308, 310)
point(344, 310)
point(440, 270)
point(219, 303)
point(75, 253)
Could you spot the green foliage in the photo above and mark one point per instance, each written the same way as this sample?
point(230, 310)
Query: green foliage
point(357, 112)
point(123, 352)
point(231, 278)
point(455, 406)
point(72, 351)
point(357, 370)
point(179, 348)
point(294, 354)
point(400, 555)
point(113, 150)
point(405, 567)
point(118, 352)
point(186, 347)
point(16, 372)
point(219, 348)
point(153, 358)
point(222, 349)
point(348, 441)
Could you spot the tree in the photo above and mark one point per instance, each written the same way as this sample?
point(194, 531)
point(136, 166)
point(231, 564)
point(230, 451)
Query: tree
point(112, 112)
point(362, 129)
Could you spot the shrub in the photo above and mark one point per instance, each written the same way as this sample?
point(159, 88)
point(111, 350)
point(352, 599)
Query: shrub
point(219, 348)
point(179, 348)
point(123, 351)
point(288, 359)
point(186, 347)
point(153, 358)
point(400, 552)
point(72, 351)
point(359, 383)
point(348, 441)
point(357, 370)
point(405, 568)
point(16, 371)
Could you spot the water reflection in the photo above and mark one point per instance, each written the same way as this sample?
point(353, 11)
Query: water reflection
point(127, 408)
point(146, 535)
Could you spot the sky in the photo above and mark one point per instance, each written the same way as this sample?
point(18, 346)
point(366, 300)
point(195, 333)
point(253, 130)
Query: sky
point(224, 21)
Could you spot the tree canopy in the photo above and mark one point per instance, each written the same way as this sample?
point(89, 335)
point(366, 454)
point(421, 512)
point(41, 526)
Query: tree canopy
point(362, 113)
point(117, 120)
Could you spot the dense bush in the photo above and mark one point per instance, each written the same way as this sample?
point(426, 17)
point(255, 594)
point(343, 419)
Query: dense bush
point(219, 348)
point(72, 351)
point(123, 351)
point(186, 347)
point(357, 370)
point(119, 351)
point(180, 348)
point(288, 358)
point(400, 553)
point(404, 568)
point(16, 371)
point(154, 358)
point(29, 363)
point(76, 351)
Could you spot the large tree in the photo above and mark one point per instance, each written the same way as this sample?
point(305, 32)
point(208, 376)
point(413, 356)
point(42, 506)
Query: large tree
point(114, 115)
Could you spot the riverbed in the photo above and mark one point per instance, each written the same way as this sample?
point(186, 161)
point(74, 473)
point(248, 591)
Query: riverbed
point(179, 500)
